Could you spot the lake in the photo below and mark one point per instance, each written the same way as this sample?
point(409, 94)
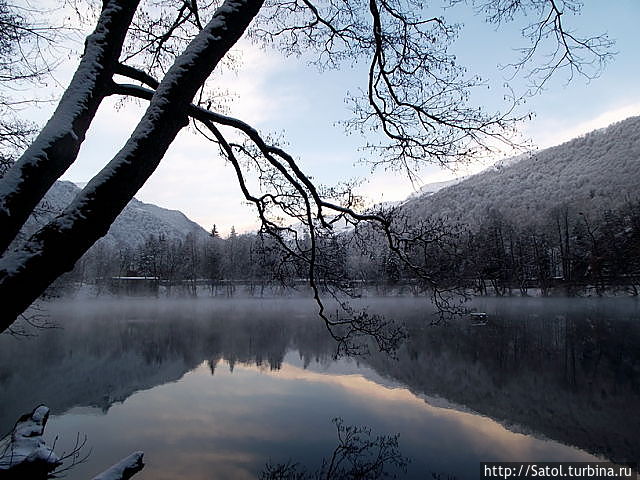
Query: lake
point(219, 388)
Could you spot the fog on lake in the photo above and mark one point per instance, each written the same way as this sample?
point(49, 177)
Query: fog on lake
point(218, 388)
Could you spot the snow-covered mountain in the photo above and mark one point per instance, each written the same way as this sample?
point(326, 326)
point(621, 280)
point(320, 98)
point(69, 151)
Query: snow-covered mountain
point(589, 174)
point(132, 227)
point(431, 188)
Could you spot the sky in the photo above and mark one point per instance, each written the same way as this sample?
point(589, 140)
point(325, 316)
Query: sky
point(283, 96)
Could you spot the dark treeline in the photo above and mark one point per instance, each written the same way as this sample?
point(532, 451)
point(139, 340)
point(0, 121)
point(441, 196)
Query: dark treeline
point(571, 253)
point(566, 254)
point(184, 265)
point(498, 256)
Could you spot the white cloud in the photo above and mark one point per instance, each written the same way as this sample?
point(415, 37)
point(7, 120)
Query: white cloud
point(257, 97)
point(385, 187)
point(194, 179)
point(549, 131)
point(392, 186)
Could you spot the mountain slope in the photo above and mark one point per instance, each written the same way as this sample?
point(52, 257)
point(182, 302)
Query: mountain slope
point(132, 227)
point(590, 174)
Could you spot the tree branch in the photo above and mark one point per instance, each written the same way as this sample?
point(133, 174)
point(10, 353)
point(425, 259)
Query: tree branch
point(57, 145)
point(56, 247)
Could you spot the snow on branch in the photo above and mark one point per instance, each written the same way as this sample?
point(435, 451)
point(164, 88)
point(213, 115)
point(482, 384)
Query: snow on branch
point(26, 452)
point(26, 272)
point(124, 469)
point(58, 144)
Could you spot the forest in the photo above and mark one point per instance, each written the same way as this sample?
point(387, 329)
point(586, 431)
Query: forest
point(571, 254)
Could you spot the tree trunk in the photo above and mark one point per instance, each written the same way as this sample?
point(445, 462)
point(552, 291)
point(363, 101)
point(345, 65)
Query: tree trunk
point(25, 274)
point(57, 145)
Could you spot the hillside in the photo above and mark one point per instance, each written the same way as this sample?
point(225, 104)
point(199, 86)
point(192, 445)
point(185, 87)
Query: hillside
point(589, 174)
point(132, 227)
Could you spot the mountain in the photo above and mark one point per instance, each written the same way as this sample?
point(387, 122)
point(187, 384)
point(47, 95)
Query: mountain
point(589, 174)
point(431, 188)
point(133, 226)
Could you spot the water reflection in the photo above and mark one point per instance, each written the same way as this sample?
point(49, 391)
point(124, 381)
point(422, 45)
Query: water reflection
point(358, 454)
point(567, 372)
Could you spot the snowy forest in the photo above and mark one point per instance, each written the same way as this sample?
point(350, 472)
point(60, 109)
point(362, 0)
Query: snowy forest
point(574, 230)
point(570, 252)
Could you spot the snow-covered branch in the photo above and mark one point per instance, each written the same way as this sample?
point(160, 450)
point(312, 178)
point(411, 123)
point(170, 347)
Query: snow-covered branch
point(124, 469)
point(57, 145)
point(25, 273)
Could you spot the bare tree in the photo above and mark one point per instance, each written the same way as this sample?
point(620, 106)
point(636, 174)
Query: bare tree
point(24, 43)
point(551, 44)
point(416, 95)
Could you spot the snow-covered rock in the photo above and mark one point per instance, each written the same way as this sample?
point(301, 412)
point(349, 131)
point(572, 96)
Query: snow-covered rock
point(124, 469)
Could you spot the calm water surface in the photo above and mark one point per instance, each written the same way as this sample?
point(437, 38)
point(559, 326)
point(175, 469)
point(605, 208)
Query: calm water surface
point(218, 388)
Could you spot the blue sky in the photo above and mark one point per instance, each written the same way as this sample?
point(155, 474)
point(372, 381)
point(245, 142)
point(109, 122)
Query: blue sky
point(284, 96)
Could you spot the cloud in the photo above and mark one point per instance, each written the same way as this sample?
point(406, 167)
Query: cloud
point(386, 187)
point(551, 132)
point(192, 177)
point(258, 96)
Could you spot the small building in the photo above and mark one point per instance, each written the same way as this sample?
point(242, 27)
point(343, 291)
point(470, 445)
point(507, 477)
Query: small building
point(134, 286)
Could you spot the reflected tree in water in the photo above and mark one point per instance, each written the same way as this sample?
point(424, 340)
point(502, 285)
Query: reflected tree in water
point(358, 455)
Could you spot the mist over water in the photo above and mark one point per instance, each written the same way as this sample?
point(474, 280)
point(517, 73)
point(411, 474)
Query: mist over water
point(216, 388)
